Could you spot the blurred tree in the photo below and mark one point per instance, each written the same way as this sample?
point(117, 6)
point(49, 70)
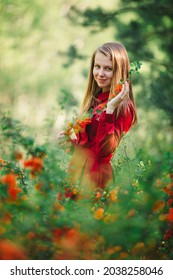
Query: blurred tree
point(71, 54)
point(145, 28)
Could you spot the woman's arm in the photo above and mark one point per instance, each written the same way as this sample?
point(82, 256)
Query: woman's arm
point(111, 130)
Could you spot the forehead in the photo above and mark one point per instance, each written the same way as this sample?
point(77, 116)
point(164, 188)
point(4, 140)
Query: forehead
point(102, 59)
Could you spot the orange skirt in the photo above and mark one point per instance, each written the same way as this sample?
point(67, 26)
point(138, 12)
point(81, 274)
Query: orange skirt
point(89, 170)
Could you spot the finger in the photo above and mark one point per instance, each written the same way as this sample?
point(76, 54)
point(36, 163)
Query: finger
point(126, 89)
point(122, 91)
point(127, 86)
point(60, 134)
point(123, 88)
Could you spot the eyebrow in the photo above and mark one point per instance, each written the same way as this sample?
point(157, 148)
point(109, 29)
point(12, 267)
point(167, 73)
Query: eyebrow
point(110, 66)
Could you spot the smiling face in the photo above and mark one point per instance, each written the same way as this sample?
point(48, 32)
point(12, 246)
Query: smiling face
point(103, 71)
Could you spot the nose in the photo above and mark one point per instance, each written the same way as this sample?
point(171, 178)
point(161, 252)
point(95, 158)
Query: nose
point(101, 72)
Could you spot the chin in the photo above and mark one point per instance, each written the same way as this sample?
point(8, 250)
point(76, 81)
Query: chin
point(101, 85)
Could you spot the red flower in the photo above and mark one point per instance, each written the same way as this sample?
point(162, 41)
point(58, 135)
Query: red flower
point(69, 193)
point(170, 215)
point(170, 201)
point(168, 234)
point(10, 180)
point(35, 163)
point(7, 218)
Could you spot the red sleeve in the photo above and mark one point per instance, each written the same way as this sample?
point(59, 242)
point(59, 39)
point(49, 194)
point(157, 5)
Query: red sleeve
point(82, 137)
point(110, 131)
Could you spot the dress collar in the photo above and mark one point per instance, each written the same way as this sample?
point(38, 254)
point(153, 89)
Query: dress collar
point(103, 96)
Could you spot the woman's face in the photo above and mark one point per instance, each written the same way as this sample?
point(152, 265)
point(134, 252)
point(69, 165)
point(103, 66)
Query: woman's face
point(103, 71)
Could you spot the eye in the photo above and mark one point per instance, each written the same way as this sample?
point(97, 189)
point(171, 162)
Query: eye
point(108, 68)
point(96, 66)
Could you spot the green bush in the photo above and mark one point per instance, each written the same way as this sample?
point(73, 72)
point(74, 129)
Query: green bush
point(43, 216)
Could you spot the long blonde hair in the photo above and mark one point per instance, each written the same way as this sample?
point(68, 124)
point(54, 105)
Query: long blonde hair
point(117, 53)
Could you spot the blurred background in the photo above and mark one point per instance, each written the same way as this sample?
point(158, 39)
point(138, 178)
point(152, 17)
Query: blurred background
point(45, 56)
point(45, 51)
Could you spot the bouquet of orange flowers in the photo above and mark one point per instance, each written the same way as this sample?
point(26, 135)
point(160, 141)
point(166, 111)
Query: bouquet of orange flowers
point(73, 128)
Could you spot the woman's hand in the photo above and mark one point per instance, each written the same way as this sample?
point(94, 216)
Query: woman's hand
point(60, 134)
point(121, 97)
point(63, 141)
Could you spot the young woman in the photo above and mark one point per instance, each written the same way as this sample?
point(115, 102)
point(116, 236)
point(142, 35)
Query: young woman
point(98, 137)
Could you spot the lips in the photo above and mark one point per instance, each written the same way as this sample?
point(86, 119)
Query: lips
point(101, 81)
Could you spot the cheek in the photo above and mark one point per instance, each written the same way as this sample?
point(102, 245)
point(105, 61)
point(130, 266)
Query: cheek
point(94, 72)
point(110, 76)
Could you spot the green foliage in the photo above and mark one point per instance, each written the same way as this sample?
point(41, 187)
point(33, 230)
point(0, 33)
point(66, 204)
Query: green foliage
point(136, 66)
point(66, 99)
point(45, 50)
point(162, 97)
point(71, 54)
point(146, 35)
point(49, 218)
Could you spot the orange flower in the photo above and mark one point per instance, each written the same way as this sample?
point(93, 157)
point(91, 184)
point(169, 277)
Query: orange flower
point(10, 180)
point(110, 218)
point(114, 249)
point(71, 242)
point(1, 163)
point(158, 182)
point(59, 206)
point(158, 205)
point(131, 213)
point(86, 120)
point(68, 150)
point(123, 255)
point(69, 124)
point(112, 95)
point(169, 189)
point(18, 155)
point(99, 214)
point(38, 186)
point(98, 195)
point(7, 218)
point(163, 217)
point(31, 235)
point(102, 105)
point(11, 251)
point(137, 248)
point(24, 197)
point(76, 128)
point(113, 194)
point(118, 88)
point(67, 236)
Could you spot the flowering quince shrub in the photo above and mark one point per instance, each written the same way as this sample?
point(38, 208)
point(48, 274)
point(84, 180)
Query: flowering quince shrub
point(43, 216)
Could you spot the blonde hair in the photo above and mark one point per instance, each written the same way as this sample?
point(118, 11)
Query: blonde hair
point(117, 53)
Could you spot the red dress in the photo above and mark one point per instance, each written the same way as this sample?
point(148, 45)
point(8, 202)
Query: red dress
point(95, 146)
